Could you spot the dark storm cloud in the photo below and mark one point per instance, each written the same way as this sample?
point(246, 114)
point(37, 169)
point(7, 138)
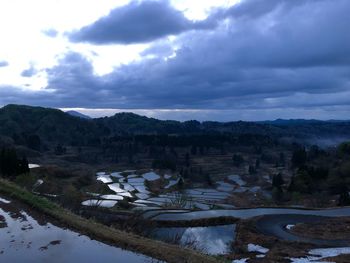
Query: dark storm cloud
point(13, 94)
point(281, 33)
point(3, 63)
point(274, 52)
point(73, 80)
point(260, 58)
point(137, 22)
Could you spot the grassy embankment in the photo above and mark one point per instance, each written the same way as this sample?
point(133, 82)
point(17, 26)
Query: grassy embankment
point(129, 241)
point(215, 221)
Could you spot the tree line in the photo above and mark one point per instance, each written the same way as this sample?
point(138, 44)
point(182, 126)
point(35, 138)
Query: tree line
point(11, 164)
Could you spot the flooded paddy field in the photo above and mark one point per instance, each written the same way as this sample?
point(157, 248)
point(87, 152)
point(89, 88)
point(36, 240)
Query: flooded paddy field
point(137, 190)
point(26, 236)
point(213, 240)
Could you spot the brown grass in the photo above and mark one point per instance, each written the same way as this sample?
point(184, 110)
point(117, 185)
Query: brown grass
point(215, 221)
point(333, 228)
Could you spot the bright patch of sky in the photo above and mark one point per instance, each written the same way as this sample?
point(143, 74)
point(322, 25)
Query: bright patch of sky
point(28, 30)
point(327, 113)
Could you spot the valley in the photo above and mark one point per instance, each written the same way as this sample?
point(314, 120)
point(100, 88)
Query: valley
point(230, 196)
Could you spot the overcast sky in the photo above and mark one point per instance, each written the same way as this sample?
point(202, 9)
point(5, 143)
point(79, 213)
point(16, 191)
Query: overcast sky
point(179, 59)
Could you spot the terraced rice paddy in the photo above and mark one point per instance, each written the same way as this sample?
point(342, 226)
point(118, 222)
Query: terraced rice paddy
point(133, 188)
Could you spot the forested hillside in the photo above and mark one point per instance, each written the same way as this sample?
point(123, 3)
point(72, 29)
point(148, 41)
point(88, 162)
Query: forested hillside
point(37, 127)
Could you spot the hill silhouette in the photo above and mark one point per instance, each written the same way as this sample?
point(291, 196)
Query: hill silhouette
point(26, 125)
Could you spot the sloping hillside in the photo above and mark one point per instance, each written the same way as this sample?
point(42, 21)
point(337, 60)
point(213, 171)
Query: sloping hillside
point(24, 124)
point(31, 126)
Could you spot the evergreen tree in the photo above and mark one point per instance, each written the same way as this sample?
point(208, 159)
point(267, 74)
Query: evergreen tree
point(282, 159)
point(277, 194)
point(187, 160)
point(23, 166)
point(11, 165)
point(237, 160)
point(301, 182)
point(194, 150)
point(251, 169)
point(299, 157)
point(208, 179)
point(277, 180)
point(257, 164)
point(344, 198)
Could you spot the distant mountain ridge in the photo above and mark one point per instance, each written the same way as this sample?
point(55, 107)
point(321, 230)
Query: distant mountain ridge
point(297, 121)
point(78, 114)
point(55, 126)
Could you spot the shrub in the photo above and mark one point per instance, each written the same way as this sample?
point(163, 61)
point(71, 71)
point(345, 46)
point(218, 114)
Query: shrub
point(237, 160)
point(164, 164)
point(344, 148)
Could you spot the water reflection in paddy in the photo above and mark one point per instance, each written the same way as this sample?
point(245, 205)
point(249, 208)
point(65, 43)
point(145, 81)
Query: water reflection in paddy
point(102, 203)
point(28, 238)
point(237, 179)
point(151, 176)
point(133, 187)
point(213, 240)
point(104, 178)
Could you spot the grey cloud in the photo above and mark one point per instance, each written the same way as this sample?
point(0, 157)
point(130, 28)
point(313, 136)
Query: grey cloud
point(29, 72)
point(291, 33)
point(161, 48)
point(238, 65)
point(73, 78)
point(137, 22)
point(3, 63)
point(51, 32)
point(257, 8)
point(18, 95)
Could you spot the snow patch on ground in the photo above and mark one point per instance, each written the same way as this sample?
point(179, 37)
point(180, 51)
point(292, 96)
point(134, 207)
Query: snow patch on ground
point(257, 248)
point(289, 227)
point(33, 165)
point(308, 260)
point(38, 183)
point(321, 253)
point(330, 252)
point(242, 260)
point(3, 200)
